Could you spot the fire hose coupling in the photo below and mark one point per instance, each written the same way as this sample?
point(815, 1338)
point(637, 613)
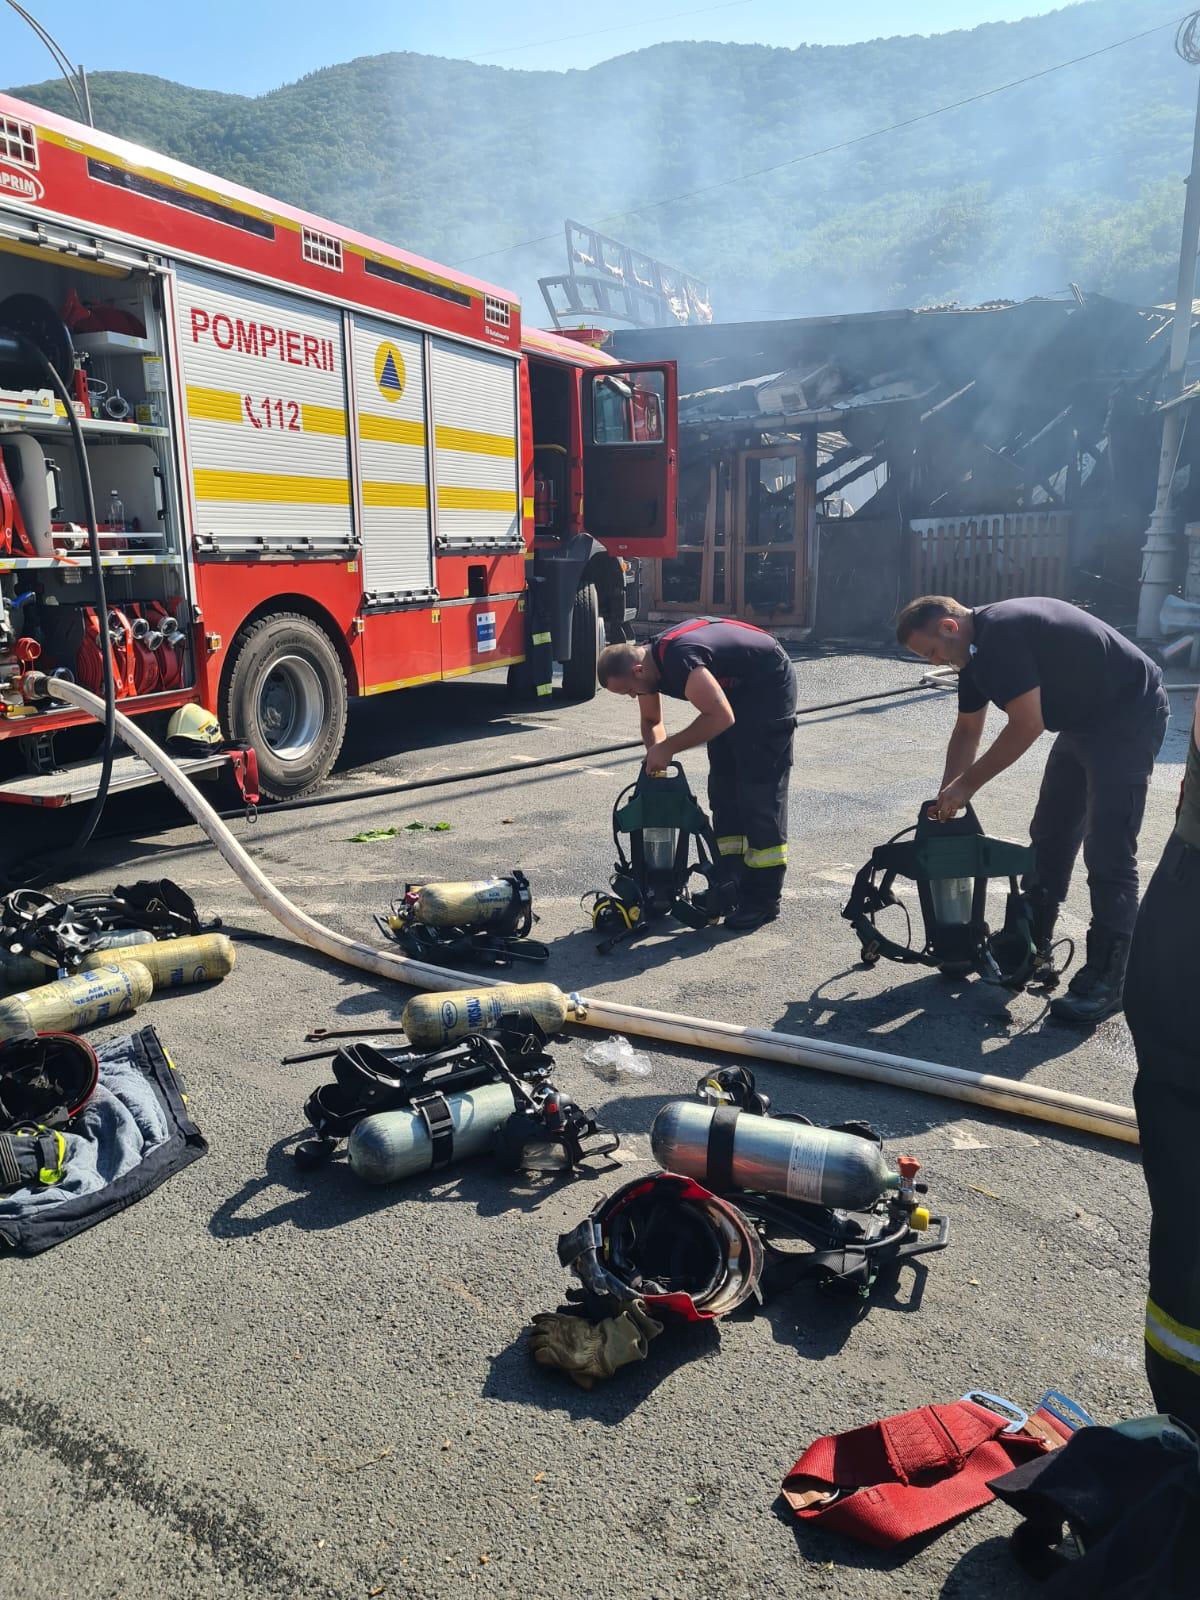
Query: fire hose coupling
point(35, 686)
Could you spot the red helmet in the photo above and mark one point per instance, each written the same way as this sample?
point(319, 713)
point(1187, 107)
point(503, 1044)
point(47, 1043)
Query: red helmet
point(669, 1242)
point(45, 1079)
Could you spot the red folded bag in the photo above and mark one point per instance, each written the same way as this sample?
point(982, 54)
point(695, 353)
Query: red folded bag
point(909, 1474)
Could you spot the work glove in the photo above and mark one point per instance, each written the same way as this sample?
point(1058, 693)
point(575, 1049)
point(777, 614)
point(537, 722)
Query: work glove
point(590, 1350)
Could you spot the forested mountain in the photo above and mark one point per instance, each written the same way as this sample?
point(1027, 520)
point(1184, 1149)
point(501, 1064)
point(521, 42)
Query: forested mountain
point(1074, 176)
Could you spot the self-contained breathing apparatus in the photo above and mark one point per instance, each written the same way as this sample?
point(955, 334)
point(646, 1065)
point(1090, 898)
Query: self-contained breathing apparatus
point(721, 1226)
point(407, 1110)
point(951, 864)
point(671, 841)
point(486, 922)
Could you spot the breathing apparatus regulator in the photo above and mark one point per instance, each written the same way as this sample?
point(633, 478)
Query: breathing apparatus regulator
point(951, 864)
point(671, 841)
point(405, 1111)
point(487, 922)
point(46, 1080)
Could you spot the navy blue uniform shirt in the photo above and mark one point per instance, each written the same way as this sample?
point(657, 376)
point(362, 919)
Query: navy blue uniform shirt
point(1088, 673)
point(743, 659)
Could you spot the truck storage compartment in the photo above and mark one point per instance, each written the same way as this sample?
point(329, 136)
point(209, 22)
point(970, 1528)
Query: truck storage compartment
point(103, 331)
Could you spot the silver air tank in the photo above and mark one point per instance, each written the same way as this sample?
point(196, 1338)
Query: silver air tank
point(774, 1156)
point(396, 1144)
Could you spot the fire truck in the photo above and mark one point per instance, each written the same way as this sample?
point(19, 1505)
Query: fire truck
point(323, 467)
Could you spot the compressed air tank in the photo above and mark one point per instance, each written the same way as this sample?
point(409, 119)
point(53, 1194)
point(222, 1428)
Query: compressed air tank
point(202, 958)
point(485, 904)
point(774, 1156)
point(76, 1002)
point(432, 1020)
point(396, 1144)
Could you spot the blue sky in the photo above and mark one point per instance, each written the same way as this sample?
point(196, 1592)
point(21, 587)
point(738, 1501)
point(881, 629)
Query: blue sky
point(248, 46)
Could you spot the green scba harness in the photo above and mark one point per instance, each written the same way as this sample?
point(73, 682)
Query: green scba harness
point(951, 863)
point(671, 841)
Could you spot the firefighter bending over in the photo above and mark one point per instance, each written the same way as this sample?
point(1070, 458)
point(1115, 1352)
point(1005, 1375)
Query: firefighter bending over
point(741, 684)
point(1049, 665)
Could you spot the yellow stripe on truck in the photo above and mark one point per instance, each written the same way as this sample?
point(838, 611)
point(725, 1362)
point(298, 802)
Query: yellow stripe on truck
point(280, 488)
point(472, 443)
point(450, 498)
point(395, 494)
point(223, 405)
point(213, 405)
point(323, 419)
point(390, 430)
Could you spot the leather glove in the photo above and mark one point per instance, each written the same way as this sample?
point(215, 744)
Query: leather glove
point(590, 1350)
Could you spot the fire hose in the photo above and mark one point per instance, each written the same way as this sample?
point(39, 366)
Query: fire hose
point(764, 1044)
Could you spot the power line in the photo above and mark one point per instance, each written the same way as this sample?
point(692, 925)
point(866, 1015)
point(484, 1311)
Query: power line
point(620, 27)
point(833, 149)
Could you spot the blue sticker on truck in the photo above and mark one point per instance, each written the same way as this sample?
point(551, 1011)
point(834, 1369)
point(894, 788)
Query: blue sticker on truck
point(485, 631)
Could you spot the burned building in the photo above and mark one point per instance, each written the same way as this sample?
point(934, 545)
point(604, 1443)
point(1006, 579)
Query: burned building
point(832, 467)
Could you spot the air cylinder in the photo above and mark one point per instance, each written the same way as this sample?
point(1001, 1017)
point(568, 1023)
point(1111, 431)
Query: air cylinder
point(202, 958)
point(396, 1144)
point(432, 1020)
point(774, 1156)
point(491, 902)
point(76, 1002)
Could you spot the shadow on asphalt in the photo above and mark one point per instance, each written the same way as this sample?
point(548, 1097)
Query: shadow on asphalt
point(986, 1572)
point(433, 717)
point(899, 1019)
point(515, 1378)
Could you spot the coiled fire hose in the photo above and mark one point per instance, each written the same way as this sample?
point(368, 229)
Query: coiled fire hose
point(764, 1044)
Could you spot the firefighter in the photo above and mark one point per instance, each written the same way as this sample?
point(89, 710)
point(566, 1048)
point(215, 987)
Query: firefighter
point(1049, 665)
point(1162, 1007)
point(741, 684)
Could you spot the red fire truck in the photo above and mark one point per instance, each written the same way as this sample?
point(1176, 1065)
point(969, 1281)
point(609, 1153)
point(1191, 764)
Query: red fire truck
point(323, 467)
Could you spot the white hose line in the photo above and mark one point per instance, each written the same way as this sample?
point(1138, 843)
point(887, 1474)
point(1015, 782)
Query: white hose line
point(1000, 1094)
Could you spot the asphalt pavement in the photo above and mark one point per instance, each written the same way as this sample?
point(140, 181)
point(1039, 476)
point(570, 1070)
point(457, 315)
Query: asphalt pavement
point(260, 1382)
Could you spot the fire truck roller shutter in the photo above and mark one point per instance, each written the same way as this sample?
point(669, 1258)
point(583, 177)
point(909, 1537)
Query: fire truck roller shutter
point(389, 406)
point(474, 398)
point(264, 392)
point(284, 691)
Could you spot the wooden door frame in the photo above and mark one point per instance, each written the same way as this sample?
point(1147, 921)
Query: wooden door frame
point(708, 550)
point(800, 451)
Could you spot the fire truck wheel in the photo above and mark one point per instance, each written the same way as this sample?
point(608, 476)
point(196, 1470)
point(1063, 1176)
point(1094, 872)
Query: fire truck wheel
point(579, 671)
point(285, 693)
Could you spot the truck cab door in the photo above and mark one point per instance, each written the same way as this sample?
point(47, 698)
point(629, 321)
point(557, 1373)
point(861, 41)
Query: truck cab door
point(630, 428)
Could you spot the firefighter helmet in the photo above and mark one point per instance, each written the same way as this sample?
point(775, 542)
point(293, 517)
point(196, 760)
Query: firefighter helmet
point(194, 731)
point(669, 1242)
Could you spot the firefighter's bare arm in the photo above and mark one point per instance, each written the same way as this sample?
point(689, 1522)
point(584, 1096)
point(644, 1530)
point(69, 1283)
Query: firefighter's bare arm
point(1023, 727)
point(963, 746)
point(653, 731)
point(715, 715)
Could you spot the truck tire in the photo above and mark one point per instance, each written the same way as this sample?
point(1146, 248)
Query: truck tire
point(285, 693)
point(579, 671)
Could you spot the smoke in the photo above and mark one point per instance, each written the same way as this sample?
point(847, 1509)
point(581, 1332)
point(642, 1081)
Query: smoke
point(1074, 177)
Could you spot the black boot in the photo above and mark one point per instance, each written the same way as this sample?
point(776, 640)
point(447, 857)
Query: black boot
point(751, 914)
point(1043, 915)
point(1095, 991)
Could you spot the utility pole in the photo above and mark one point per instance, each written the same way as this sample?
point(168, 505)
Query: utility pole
point(76, 77)
point(1158, 552)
